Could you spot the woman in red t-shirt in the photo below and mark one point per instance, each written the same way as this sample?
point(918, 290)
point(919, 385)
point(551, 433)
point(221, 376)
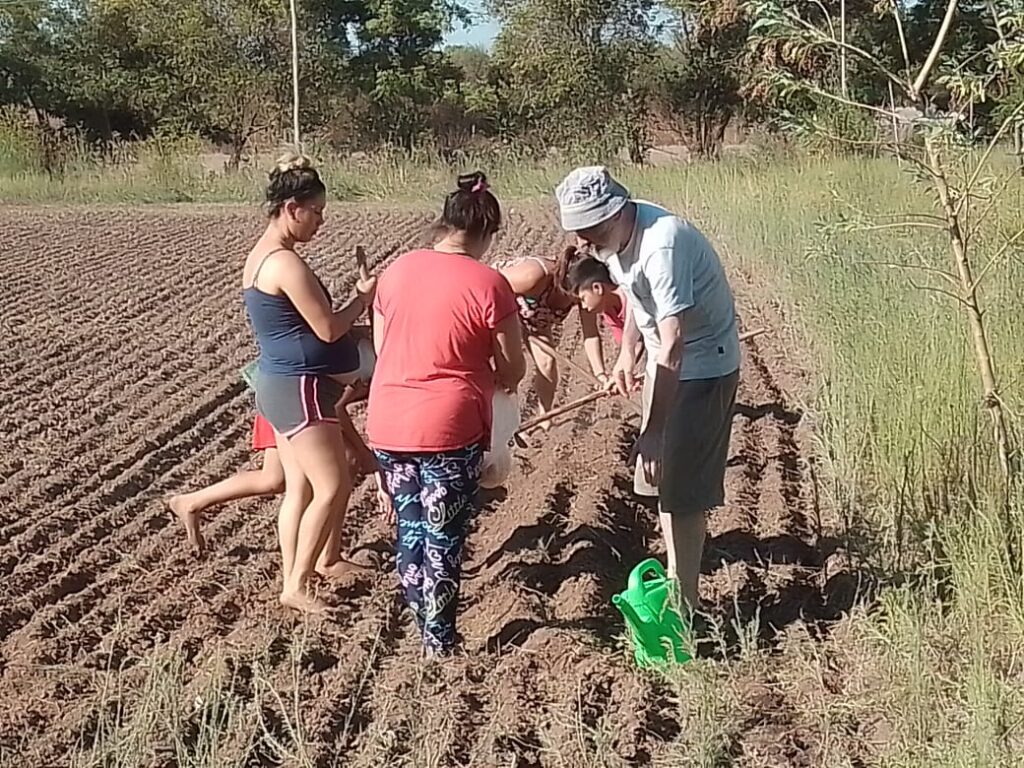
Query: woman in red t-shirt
point(440, 318)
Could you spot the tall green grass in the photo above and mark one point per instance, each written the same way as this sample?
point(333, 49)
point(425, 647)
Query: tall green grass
point(911, 454)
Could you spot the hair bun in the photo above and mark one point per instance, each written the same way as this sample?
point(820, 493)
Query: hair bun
point(469, 182)
point(293, 161)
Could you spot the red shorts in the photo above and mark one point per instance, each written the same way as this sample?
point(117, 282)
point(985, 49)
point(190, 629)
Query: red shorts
point(262, 434)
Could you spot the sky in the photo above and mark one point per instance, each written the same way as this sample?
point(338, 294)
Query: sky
point(482, 31)
point(485, 28)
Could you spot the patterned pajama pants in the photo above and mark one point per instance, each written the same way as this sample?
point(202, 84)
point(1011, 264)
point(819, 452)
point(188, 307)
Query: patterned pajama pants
point(433, 495)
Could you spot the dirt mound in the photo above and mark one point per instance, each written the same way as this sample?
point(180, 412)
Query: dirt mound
point(125, 335)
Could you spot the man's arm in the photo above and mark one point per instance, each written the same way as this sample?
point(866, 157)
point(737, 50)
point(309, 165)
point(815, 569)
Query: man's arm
point(666, 377)
point(670, 275)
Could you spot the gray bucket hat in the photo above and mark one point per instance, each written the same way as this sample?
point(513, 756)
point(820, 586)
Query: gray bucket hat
point(589, 196)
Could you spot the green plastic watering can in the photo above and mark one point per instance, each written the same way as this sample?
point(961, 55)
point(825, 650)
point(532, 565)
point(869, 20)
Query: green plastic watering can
point(657, 630)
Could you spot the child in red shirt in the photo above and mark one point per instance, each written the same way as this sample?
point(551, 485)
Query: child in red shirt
point(440, 318)
point(591, 283)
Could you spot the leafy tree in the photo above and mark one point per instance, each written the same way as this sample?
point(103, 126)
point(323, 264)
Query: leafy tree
point(964, 186)
point(399, 66)
point(698, 79)
point(567, 70)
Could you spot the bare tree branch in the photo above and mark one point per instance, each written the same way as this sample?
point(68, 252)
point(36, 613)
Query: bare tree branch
point(947, 276)
point(902, 225)
point(828, 17)
point(998, 255)
point(994, 197)
point(896, 14)
point(1003, 128)
point(932, 289)
point(850, 102)
point(832, 39)
point(940, 39)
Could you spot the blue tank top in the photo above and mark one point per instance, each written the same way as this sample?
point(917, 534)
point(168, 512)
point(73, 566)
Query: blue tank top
point(288, 346)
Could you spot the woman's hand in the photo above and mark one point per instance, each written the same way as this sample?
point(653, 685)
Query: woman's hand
point(366, 461)
point(366, 287)
point(387, 507)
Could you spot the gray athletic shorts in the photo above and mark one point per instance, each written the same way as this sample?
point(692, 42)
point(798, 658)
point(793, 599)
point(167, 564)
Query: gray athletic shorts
point(696, 446)
point(292, 403)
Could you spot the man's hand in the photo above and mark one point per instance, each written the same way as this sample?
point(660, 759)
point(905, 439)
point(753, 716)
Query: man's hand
point(648, 450)
point(622, 375)
point(605, 383)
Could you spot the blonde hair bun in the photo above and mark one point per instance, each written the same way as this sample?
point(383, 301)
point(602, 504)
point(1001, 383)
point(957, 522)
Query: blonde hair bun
point(293, 161)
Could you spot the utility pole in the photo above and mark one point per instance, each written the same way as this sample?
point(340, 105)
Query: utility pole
point(842, 51)
point(295, 76)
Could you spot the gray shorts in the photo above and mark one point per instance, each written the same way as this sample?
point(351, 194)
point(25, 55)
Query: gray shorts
point(292, 403)
point(696, 445)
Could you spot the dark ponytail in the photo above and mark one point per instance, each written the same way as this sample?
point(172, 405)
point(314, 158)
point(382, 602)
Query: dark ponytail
point(563, 265)
point(471, 208)
point(293, 178)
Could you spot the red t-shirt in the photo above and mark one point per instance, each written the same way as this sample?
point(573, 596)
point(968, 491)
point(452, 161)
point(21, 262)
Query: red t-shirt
point(616, 321)
point(433, 382)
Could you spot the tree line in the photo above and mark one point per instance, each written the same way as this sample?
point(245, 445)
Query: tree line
point(596, 76)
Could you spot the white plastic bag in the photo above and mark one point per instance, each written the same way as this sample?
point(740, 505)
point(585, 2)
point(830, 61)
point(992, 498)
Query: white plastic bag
point(505, 421)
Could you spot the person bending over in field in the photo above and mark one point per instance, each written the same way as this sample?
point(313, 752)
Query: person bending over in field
point(306, 358)
point(544, 303)
point(591, 281)
point(447, 333)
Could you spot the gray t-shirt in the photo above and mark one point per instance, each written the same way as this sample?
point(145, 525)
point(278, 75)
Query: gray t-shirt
point(669, 267)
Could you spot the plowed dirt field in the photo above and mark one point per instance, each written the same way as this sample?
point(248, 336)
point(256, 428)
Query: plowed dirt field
point(123, 335)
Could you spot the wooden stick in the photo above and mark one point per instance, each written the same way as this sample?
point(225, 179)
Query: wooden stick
point(752, 334)
point(562, 409)
point(364, 275)
point(578, 368)
point(364, 271)
point(569, 363)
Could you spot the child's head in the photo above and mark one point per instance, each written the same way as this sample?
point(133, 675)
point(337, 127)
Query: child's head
point(590, 281)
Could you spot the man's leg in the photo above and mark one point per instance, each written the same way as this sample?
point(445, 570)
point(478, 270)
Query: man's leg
point(684, 540)
point(640, 485)
point(693, 473)
point(545, 379)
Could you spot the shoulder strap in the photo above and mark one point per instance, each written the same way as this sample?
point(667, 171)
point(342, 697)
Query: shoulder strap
point(541, 262)
point(263, 261)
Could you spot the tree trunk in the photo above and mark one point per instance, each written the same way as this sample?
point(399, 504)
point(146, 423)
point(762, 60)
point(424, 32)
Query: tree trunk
point(991, 401)
point(1018, 145)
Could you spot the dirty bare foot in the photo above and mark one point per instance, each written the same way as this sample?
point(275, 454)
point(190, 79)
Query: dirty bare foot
point(192, 521)
point(343, 570)
point(303, 602)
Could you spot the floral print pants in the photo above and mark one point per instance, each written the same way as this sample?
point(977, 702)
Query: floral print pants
point(433, 495)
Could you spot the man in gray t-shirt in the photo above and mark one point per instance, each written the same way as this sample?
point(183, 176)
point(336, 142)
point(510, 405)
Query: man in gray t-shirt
point(681, 303)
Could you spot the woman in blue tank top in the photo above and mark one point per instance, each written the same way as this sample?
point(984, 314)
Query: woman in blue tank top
point(306, 358)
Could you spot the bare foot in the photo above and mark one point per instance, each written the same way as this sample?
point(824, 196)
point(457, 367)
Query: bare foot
point(341, 570)
point(191, 520)
point(303, 601)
